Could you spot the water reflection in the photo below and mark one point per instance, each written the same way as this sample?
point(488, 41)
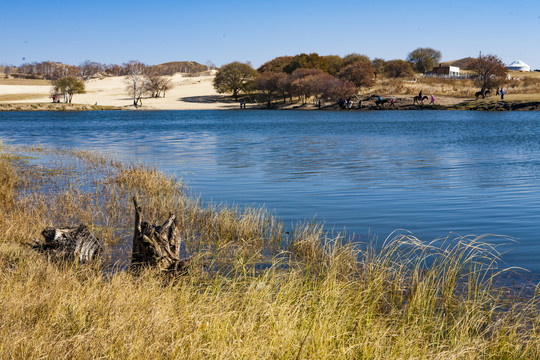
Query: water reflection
point(429, 172)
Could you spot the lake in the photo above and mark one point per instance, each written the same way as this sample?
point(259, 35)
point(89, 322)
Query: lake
point(430, 172)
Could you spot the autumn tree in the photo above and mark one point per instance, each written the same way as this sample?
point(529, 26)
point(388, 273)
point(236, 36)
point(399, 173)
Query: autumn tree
point(275, 65)
point(269, 83)
point(303, 84)
point(359, 73)
point(398, 69)
point(335, 64)
point(136, 79)
point(234, 78)
point(353, 58)
point(488, 71)
point(424, 59)
point(335, 89)
point(378, 66)
point(68, 86)
point(307, 61)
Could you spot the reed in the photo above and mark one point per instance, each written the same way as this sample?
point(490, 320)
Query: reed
point(255, 290)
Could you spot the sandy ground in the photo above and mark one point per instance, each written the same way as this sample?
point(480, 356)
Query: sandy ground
point(188, 93)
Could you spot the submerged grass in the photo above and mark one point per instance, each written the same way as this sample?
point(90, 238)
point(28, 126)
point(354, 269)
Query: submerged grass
point(254, 290)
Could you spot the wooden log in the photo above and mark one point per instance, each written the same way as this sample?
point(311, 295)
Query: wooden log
point(157, 246)
point(71, 243)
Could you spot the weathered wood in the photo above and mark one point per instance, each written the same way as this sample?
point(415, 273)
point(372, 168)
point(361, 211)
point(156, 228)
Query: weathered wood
point(71, 243)
point(157, 246)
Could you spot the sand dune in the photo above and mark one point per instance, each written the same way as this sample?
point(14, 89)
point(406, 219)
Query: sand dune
point(188, 93)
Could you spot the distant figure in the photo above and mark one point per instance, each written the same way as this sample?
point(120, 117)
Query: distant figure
point(54, 98)
point(140, 101)
point(498, 92)
point(241, 104)
point(393, 102)
point(502, 93)
point(432, 100)
point(420, 94)
point(319, 104)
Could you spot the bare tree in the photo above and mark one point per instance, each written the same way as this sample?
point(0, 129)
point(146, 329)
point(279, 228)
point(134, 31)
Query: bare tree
point(158, 85)
point(8, 69)
point(136, 79)
point(210, 65)
point(488, 70)
point(89, 68)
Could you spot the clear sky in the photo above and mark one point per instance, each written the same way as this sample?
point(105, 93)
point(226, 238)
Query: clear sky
point(156, 31)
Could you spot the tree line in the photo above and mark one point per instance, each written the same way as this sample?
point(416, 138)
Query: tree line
point(306, 76)
point(303, 76)
point(332, 77)
point(50, 70)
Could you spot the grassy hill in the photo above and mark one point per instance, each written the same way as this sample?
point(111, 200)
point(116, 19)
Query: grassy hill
point(172, 67)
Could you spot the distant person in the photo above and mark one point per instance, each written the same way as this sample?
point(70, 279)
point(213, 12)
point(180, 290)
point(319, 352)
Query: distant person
point(319, 104)
point(502, 93)
point(393, 102)
point(432, 100)
point(54, 98)
point(498, 92)
point(420, 94)
point(241, 104)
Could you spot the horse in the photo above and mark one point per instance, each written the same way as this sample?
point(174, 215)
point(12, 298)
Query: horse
point(419, 99)
point(381, 103)
point(479, 93)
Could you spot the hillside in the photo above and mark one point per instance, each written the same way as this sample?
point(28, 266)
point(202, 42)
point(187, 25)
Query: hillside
point(461, 63)
point(173, 67)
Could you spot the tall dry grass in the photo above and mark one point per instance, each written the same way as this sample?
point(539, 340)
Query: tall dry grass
point(254, 291)
point(459, 88)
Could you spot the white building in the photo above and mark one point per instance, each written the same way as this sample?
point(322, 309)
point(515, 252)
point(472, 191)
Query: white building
point(450, 71)
point(519, 65)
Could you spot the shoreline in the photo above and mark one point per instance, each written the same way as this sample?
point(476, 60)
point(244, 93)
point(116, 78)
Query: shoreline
point(198, 93)
point(502, 105)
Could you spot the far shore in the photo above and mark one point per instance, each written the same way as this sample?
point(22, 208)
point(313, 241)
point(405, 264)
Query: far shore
point(198, 93)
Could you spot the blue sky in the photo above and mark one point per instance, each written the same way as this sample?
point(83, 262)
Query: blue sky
point(117, 31)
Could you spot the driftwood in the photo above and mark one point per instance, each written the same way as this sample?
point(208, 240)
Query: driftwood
point(157, 246)
point(72, 243)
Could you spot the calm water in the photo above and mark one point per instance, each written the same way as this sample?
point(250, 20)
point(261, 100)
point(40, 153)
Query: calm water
point(369, 172)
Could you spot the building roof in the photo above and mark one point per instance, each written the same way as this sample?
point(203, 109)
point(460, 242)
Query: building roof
point(517, 63)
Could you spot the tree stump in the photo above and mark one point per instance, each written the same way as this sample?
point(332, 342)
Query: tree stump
point(157, 246)
point(71, 243)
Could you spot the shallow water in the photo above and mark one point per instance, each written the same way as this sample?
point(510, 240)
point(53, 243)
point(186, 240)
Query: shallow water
point(430, 172)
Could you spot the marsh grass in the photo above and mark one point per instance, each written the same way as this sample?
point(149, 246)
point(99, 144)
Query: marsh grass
point(254, 290)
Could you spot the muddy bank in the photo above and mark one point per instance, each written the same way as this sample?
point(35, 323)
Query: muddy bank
point(501, 105)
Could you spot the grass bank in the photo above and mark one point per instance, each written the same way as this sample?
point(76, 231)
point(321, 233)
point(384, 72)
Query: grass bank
point(253, 291)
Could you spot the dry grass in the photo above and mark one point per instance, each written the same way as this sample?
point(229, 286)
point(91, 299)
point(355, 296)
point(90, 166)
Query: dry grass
point(16, 97)
point(521, 83)
point(34, 82)
point(253, 291)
